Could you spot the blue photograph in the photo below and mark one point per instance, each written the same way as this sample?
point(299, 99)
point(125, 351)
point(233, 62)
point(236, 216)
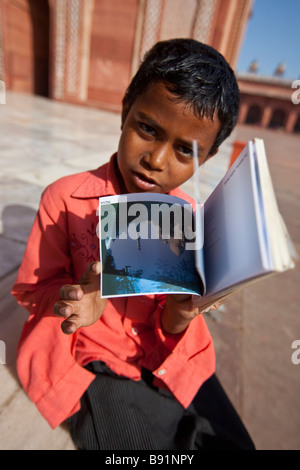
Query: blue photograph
point(143, 257)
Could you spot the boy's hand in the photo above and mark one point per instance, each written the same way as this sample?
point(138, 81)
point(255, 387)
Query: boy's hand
point(179, 311)
point(81, 304)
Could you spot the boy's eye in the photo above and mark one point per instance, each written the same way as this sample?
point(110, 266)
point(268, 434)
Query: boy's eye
point(185, 150)
point(147, 129)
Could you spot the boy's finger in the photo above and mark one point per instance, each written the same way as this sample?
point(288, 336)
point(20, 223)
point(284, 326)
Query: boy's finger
point(70, 292)
point(62, 309)
point(91, 273)
point(70, 325)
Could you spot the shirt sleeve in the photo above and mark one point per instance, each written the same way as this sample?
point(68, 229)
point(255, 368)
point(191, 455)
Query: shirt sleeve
point(188, 358)
point(46, 363)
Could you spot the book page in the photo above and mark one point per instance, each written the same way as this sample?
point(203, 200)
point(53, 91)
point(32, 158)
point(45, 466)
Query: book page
point(280, 247)
point(146, 245)
point(199, 219)
point(233, 239)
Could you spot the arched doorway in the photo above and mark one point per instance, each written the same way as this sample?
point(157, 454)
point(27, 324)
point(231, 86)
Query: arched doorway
point(254, 115)
point(40, 17)
point(297, 126)
point(278, 119)
point(26, 45)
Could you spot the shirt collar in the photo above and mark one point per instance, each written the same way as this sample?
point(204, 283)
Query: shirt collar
point(100, 182)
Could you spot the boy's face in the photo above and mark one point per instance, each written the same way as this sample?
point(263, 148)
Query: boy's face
point(156, 146)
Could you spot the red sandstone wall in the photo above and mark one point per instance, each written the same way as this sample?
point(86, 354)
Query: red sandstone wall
point(111, 50)
point(26, 38)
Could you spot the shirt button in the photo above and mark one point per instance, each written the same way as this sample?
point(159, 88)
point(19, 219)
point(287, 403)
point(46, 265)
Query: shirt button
point(161, 372)
point(135, 331)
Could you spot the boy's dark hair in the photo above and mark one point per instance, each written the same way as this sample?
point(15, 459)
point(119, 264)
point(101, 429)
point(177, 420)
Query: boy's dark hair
point(196, 74)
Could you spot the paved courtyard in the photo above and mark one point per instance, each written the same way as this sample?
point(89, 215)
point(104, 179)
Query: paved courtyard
point(41, 140)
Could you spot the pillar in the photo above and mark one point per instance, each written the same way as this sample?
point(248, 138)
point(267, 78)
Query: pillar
point(291, 120)
point(70, 46)
point(266, 117)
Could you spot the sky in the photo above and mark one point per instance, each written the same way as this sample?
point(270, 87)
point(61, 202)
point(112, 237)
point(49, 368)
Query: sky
point(272, 37)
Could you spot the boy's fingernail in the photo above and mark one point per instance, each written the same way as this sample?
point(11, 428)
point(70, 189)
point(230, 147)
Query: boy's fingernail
point(62, 311)
point(68, 327)
point(96, 267)
point(73, 294)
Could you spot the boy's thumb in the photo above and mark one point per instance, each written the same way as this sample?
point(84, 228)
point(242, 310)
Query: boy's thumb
point(93, 269)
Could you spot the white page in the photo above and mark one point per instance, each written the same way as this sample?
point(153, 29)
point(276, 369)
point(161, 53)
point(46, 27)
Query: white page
point(199, 219)
point(232, 238)
point(281, 252)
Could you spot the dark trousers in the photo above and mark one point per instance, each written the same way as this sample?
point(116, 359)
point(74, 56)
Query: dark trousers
point(120, 414)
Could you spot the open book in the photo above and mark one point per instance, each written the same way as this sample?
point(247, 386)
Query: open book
point(157, 243)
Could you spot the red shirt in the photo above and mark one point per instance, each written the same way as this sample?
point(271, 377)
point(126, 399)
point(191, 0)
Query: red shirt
point(127, 337)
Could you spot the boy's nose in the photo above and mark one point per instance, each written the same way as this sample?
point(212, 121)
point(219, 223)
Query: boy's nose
point(157, 157)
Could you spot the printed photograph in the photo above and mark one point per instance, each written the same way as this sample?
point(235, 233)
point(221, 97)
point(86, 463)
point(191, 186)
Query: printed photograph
point(143, 258)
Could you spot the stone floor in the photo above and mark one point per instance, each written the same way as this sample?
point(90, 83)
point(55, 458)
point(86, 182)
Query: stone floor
point(41, 140)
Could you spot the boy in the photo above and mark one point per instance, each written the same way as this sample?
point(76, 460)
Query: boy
point(129, 373)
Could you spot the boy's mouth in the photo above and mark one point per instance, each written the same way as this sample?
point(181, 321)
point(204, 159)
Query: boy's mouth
point(143, 182)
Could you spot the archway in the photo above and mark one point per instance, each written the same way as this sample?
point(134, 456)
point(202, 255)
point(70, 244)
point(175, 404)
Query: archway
point(254, 115)
point(297, 126)
point(278, 119)
point(40, 18)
